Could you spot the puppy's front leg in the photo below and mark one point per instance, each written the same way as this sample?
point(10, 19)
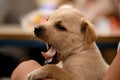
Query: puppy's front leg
point(49, 71)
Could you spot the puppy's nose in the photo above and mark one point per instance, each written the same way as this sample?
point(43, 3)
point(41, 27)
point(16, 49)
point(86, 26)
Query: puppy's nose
point(38, 30)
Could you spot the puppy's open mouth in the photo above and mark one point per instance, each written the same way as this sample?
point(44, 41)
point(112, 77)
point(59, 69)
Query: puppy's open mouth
point(50, 54)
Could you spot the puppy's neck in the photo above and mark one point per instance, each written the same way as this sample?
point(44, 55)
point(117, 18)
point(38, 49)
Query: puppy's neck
point(83, 47)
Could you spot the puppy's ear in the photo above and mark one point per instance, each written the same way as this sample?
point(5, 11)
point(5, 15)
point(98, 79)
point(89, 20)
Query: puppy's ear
point(88, 30)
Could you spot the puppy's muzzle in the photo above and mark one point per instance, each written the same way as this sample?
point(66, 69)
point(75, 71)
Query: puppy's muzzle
point(38, 30)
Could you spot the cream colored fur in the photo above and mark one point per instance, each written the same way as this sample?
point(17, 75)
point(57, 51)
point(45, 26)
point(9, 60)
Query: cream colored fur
point(75, 46)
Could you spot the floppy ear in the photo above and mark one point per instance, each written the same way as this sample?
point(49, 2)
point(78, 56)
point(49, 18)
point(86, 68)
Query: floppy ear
point(88, 30)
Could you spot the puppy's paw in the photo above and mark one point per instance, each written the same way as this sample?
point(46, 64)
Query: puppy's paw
point(35, 75)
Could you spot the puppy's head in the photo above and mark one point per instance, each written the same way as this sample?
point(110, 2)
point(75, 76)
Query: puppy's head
point(65, 30)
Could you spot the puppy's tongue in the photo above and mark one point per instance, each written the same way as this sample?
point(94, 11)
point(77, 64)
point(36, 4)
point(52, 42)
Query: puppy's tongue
point(49, 55)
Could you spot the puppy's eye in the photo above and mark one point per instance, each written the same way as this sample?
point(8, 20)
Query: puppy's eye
point(60, 27)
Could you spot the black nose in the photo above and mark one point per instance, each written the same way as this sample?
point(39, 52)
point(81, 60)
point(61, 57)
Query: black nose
point(38, 30)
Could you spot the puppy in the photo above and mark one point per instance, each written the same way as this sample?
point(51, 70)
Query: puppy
point(71, 40)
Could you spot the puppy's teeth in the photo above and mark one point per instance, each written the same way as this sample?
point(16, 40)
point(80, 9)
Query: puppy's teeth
point(44, 55)
point(51, 52)
point(49, 55)
point(48, 60)
point(47, 46)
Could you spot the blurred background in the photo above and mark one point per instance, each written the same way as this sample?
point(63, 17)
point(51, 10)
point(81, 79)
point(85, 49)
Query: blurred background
point(19, 17)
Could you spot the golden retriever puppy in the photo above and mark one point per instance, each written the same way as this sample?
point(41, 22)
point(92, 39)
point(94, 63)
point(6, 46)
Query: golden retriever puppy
point(71, 39)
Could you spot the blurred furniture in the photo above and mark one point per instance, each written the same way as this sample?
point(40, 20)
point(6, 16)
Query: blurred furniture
point(14, 31)
point(107, 43)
